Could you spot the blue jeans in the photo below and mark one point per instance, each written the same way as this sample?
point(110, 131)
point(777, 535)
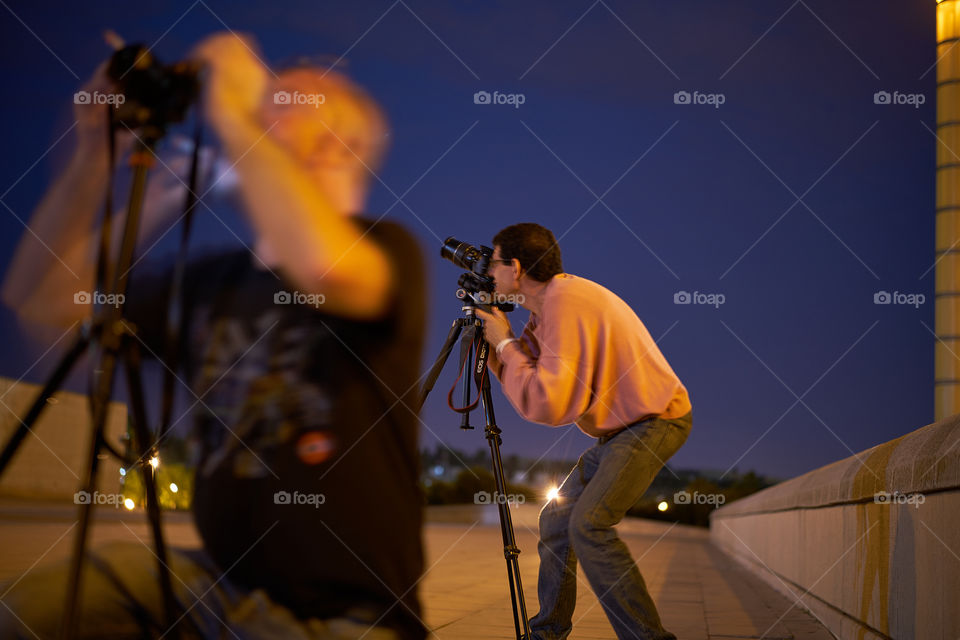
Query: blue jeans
point(578, 525)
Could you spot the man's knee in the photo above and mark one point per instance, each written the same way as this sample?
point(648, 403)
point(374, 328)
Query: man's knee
point(554, 519)
point(590, 527)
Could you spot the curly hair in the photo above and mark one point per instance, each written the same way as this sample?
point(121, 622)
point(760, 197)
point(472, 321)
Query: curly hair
point(534, 246)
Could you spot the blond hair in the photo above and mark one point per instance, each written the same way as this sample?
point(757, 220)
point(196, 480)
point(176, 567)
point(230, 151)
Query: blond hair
point(354, 120)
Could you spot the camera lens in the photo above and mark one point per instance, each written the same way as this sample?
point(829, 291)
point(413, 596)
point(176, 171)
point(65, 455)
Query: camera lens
point(462, 254)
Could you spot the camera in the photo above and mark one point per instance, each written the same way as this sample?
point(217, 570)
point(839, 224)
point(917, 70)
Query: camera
point(154, 94)
point(466, 256)
point(476, 284)
point(476, 260)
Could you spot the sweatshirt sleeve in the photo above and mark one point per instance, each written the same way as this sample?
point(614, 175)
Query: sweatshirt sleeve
point(552, 387)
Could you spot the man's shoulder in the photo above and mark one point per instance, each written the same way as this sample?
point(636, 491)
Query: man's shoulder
point(567, 289)
point(584, 298)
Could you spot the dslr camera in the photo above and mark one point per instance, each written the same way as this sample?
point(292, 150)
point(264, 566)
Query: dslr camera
point(476, 283)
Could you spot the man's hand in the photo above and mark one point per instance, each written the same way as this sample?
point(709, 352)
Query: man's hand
point(236, 79)
point(91, 118)
point(496, 326)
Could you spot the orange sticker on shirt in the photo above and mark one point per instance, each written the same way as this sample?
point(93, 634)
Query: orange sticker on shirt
point(314, 447)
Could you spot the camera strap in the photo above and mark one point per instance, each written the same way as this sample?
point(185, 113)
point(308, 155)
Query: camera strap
point(466, 344)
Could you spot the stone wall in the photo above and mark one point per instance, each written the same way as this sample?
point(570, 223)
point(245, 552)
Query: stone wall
point(870, 544)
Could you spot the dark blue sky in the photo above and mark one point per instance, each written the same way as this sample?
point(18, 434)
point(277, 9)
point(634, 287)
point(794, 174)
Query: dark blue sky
point(694, 198)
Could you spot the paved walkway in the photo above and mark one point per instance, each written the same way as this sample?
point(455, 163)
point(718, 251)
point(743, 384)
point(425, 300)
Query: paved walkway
point(700, 593)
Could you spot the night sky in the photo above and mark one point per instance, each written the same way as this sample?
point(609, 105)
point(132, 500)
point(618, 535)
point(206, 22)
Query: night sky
point(797, 199)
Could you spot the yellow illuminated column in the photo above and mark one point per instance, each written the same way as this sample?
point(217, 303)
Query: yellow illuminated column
point(947, 279)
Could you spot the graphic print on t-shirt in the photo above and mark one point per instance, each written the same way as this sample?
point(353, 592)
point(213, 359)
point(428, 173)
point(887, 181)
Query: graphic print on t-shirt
point(252, 379)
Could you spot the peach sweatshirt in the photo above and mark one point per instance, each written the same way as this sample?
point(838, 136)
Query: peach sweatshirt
point(588, 359)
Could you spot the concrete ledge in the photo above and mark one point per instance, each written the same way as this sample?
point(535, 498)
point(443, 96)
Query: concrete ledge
point(870, 545)
point(52, 460)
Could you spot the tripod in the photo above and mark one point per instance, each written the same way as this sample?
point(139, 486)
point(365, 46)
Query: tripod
point(116, 344)
point(473, 343)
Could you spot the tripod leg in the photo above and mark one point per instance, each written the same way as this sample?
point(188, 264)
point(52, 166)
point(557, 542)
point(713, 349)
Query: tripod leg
point(467, 348)
point(80, 344)
point(111, 341)
point(144, 443)
point(107, 370)
point(510, 549)
point(441, 360)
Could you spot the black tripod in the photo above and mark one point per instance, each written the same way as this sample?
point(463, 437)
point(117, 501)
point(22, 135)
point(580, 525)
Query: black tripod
point(116, 341)
point(474, 346)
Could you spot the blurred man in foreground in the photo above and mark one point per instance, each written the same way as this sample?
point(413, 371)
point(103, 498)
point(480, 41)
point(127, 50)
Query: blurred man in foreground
point(302, 356)
point(585, 357)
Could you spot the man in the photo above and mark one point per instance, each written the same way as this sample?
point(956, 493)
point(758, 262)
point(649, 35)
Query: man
point(302, 359)
point(585, 357)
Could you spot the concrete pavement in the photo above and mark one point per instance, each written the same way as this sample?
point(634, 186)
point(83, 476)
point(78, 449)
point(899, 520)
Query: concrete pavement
point(700, 593)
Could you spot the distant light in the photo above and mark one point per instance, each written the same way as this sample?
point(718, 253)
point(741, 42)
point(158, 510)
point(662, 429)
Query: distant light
point(155, 462)
point(129, 504)
point(173, 487)
point(123, 471)
point(552, 493)
point(662, 506)
point(438, 470)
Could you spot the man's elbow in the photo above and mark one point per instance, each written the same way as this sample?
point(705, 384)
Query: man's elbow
point(364, 294)
point(42, 313)
point(13, 293)
point(546, 414)
point(557, 420)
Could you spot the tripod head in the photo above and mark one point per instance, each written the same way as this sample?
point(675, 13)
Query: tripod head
point(481, 300)
point(477, 287)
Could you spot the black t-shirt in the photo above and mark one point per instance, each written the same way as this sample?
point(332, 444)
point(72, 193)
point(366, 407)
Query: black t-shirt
point(307, 483)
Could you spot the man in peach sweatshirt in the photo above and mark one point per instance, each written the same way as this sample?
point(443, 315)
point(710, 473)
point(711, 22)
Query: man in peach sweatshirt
point(586, 358)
